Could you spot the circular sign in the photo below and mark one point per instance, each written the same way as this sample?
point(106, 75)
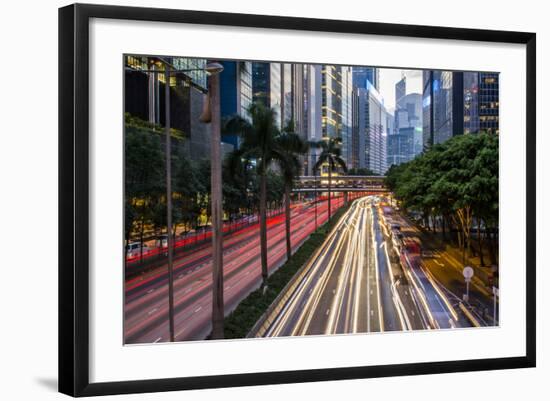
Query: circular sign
point(468, 272)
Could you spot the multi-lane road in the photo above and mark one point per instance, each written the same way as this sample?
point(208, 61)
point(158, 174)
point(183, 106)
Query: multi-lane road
point(146, 297)
point(356, 283)
point(359, 280)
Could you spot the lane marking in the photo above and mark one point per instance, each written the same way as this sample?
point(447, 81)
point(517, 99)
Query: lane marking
point(157, 340)
point(198, 309)
point(152, 311)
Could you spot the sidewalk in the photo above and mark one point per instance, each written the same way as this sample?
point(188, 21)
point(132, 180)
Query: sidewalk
point(482, 275)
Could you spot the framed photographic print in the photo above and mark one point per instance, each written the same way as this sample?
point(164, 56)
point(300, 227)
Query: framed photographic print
point(250, 199)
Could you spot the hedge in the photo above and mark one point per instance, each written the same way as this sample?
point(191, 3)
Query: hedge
point(239, 323)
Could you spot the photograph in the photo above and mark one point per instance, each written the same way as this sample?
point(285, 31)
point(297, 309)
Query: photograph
point(267, 198)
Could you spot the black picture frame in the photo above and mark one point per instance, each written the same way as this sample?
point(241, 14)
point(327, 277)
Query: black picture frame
point(74, 198)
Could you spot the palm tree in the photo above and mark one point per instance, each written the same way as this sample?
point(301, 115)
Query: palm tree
point(264, 143)
point(291, 146)
point(331, 155)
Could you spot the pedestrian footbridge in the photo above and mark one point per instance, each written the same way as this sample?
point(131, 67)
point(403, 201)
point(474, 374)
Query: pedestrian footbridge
point(341, 183)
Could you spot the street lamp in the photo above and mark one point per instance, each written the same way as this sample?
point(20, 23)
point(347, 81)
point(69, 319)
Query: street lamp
point(216, 199)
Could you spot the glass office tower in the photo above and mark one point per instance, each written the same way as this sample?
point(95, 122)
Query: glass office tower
point(489, 102)
point(235, 93)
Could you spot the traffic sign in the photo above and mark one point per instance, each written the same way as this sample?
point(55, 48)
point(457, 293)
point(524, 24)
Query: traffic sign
point(468, 273)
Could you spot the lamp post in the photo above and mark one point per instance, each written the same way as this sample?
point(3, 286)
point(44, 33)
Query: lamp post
point(169, 239)
point(216, 200)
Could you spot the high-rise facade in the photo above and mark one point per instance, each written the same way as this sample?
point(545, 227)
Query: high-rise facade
point(346, 121)
point(489, 102)
point(235, 94)
point(456, 103)
point(326, 97)
point(400, 91)
point(362, 75)
point(405, 141)
point(471, 102)
point(287, 93)
point(267, 87)
point(400, 146)
point(372, 129)
point(144, 98)
point(443, 106)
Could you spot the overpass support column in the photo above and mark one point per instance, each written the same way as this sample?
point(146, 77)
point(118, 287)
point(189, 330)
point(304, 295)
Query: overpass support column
point(346, 199)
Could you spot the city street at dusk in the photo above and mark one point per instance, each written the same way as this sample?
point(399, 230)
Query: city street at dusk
point(274, 199)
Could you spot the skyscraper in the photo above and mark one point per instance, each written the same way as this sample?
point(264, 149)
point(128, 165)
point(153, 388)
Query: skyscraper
point(489, 102)
point(236, 93)
point(266, 86)
point(287, 93)
point(405, 141)
point(400, 91)
point(456, 103)
point(443, 106)
point(362, 75)
point(471, 102)
point(144, 97)
point(327, 99)
point(372, 129)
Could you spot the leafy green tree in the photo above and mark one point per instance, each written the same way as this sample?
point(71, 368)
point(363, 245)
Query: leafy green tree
point(457, 180)
point(188, 190)
point(143, 178)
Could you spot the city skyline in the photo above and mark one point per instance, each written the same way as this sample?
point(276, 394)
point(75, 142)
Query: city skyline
point(322, 101)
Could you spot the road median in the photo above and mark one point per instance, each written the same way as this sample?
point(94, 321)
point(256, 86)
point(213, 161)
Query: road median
point(249, 315)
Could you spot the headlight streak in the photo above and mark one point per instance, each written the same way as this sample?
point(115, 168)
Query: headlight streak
point(368, 268)
point(409, 271)
point(313, 301)
point(374, 245)
point(314, 264)
point(335, 307)
point(398, 303)
point(332, 281)
point(346, 275)
point(443, 296)
point(359, 268)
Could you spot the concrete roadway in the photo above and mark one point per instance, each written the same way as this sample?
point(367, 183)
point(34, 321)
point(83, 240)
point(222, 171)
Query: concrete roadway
point(146, 302)
point(349, 285)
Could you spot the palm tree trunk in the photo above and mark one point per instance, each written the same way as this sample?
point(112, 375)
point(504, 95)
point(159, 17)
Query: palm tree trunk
point(329, 185)
point(263, 226)
point(287, 220)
